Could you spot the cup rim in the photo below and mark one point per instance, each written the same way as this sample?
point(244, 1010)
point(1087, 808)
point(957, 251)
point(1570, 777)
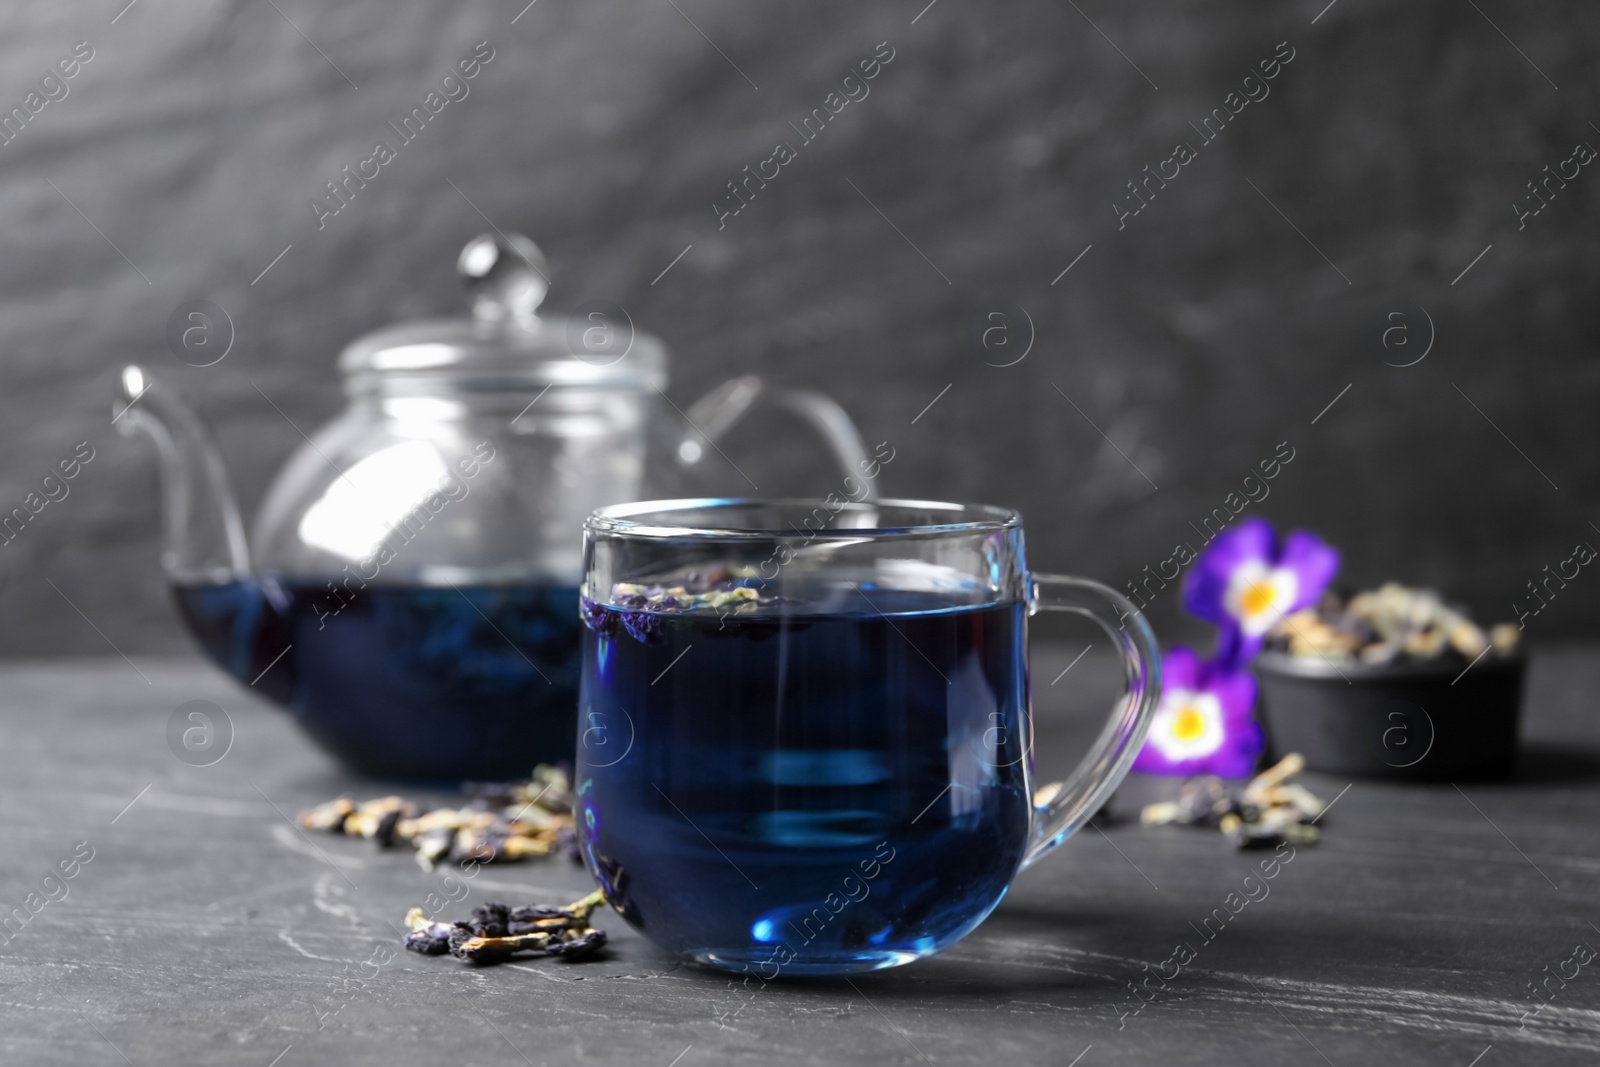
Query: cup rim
point(621, 519)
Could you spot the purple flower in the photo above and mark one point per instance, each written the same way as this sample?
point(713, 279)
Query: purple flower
point(597, 617)
point(642, 626)
point(1204, 723)
point(1246, 580)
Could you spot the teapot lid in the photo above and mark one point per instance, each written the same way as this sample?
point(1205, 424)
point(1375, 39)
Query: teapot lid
point(506, 342)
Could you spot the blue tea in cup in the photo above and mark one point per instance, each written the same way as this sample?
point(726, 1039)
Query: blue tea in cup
point(804, 734)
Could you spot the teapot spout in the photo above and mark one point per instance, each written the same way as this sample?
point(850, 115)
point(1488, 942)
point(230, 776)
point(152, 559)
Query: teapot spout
point(203, 538)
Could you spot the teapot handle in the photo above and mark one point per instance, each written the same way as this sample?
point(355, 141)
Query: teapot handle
point(714, 414)
point(203, 535)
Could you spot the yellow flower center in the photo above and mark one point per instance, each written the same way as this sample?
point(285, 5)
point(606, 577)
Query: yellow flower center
point(1258, 597)
point(1188, 724)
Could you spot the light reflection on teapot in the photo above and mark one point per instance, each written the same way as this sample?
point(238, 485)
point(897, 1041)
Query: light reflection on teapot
point(410, 587)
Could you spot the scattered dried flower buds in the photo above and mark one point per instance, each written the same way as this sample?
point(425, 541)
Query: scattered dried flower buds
point(1268, 811)
point(505, 821)
point(1385, 624)
point(330, 816)
point(1270, 831)
point(497, 932)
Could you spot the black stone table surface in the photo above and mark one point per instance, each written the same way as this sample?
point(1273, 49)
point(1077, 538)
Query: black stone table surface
point(205, 929)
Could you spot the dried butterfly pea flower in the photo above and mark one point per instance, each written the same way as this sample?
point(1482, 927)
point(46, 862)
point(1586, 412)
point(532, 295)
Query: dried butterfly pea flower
point(1380, 625)
point(740, 595)
point(550, 788)
point(578, 945)
point(544, 916)
point(473, 949)
point(1204, 800)
point(438, 829)
point(1267, 833)
point(505, 821)
point(384, 832)
point(1201, 802)
point(498, 932)
point(1162, 813)
point(642, 626)
point(1275, 775)
point(1290, 797)
point(492, 847)
point(584, 907)
point(1266, 812)
point(330, 816)
point(597, 617)
point(445, 819)
point(548, 792)
point(428, 938)
point(637, 609)
point(378, 819)
point(531, 821)
point(433, 846)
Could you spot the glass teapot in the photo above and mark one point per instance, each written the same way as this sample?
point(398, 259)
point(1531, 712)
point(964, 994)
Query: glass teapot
point(410, 589)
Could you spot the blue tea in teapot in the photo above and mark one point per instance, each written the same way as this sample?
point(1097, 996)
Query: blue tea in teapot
point(379, 676)
point(410, 588)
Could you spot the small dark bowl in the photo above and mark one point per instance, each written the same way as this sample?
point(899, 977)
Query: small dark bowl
point(1406, 721)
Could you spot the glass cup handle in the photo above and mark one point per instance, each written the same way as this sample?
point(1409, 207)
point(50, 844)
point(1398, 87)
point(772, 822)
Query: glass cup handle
point(1102, 770)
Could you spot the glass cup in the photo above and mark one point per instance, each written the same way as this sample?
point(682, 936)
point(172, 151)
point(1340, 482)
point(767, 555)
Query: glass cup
point(804, 726)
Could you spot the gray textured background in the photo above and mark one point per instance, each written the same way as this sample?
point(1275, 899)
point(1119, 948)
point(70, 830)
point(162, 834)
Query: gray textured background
point(1197, 338)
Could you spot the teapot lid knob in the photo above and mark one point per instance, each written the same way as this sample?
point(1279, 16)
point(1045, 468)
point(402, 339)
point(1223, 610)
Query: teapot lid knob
point(506, 276)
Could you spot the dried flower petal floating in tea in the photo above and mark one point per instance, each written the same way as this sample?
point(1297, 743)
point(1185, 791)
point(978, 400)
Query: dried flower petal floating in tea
point(497, 932)
point(637, 608)
point(505, 821)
